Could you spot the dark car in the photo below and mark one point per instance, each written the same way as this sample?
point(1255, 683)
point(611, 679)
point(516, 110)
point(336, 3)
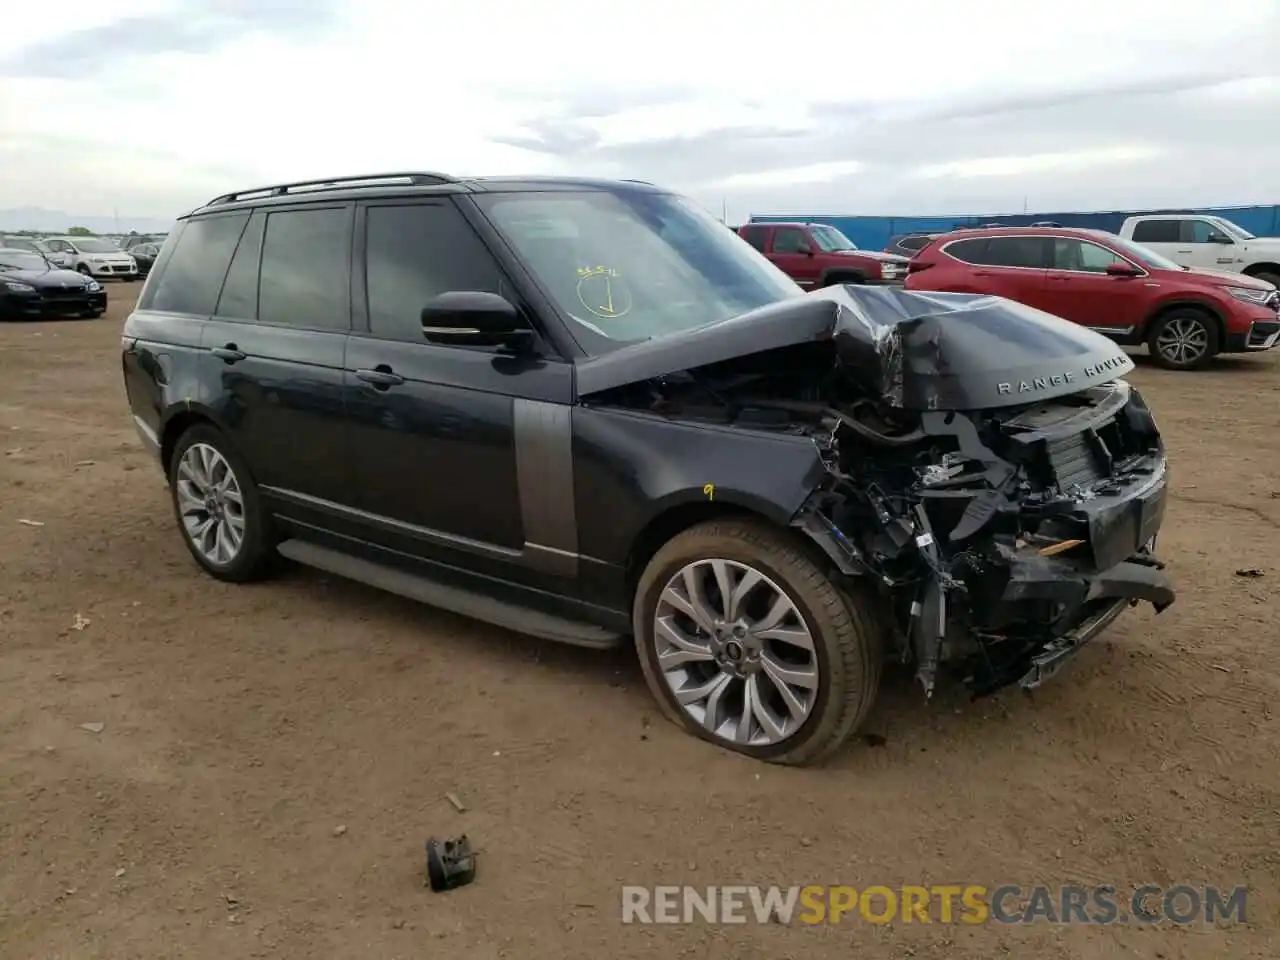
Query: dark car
point(31, 288)
point(145, 255)
point(135, 240)
point(586, 411)
point(909, 244)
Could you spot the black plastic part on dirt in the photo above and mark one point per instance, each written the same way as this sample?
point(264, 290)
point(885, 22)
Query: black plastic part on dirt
point(450, 863)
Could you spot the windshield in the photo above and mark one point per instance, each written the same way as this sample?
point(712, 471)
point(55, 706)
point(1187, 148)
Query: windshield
point(21, 260)
point(632, 265)
point(1231, 230)
point(830, 240)
point(1146, 257)
point(93, 245)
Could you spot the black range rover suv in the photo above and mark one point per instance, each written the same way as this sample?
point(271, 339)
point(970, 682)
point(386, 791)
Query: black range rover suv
point(586, 411)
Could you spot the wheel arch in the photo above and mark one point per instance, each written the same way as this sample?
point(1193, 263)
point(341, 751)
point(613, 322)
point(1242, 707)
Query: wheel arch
point(178, 422)
point(834, 275)
point(1265, 266)
point(1183, 303)
point(686, 514)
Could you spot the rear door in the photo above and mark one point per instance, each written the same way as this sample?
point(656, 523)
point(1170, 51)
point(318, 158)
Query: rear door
point(276, 343)
point(757, 236)
point(1013, 267)
point(794, 253)
point(1080, 290)
point(1164, 235)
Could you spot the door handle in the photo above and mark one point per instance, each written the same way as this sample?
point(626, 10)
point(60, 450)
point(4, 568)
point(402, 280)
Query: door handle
point(1186, 251)
point(380, 376)
point(228, 354)
point(982, 273)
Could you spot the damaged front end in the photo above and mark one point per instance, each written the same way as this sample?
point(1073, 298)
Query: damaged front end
point(984, 465)
point(1004, 535)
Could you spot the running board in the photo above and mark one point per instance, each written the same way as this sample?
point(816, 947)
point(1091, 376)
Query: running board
point(454, 599)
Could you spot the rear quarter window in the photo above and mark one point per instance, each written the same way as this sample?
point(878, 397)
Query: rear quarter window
point(973, 251)
point(194, 265)
point(1156, 231)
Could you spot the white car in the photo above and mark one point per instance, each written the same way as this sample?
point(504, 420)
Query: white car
point(95, 257)
point(1205, 242)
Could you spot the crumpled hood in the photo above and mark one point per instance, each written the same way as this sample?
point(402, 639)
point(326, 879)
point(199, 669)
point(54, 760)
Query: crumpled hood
point(918, 351)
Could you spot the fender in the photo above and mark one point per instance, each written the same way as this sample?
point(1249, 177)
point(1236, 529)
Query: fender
point(631, 467)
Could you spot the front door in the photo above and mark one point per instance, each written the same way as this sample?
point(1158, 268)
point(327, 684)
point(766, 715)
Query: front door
point(1079, 289)
point(1211, 248)
point(451, 440)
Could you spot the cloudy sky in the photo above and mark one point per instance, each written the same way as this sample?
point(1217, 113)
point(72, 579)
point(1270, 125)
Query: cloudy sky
point(149, 107)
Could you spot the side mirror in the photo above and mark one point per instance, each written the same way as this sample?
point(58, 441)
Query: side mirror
point(1220, 238)
point(805, 249)
point(1122, 270)
point(474, 318)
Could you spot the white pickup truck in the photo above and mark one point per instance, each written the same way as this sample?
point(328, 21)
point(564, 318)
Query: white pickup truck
point(1206, 243)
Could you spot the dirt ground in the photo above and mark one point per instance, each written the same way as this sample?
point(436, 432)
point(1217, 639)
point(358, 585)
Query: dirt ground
point(273, 757)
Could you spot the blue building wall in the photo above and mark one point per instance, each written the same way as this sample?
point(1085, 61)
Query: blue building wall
point(873, 233)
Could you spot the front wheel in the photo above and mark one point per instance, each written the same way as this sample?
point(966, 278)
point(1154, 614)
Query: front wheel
point(746, 643)
point(84, 269)
point(218, 507)
point(1184, 339)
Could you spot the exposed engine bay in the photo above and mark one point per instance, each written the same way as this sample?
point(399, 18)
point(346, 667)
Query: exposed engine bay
point(1003, 491)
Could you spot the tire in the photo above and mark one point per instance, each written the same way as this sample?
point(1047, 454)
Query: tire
point(1192, 328)
point(254, 558)
point(853, 278)
point(82, 269)
point(91, 314)
point(1267, 276)
point(845, 630)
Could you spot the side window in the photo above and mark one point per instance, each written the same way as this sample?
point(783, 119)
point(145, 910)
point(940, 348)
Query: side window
point(189, 282)
point(914, 243)
point(1078, 255)
point(239, 300)
point(1202, 231)
point(969, 251)
point(756, 236)
point(788, 240)
point(306, 269)
point(416, 252)
point(1155, 231)
point(1029, 252)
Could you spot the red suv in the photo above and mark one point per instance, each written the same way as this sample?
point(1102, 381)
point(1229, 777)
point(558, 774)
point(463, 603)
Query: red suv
point(818, 255)
point(1109, 284)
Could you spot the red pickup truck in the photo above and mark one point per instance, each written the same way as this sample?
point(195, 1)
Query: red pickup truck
point(818, 255)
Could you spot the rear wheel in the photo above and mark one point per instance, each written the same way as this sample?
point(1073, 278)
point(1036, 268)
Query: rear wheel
point(1183, 339)
point(218, 508)
point(746, 643)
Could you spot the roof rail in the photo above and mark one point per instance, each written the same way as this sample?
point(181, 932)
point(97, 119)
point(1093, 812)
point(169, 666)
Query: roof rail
point(335, 183)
